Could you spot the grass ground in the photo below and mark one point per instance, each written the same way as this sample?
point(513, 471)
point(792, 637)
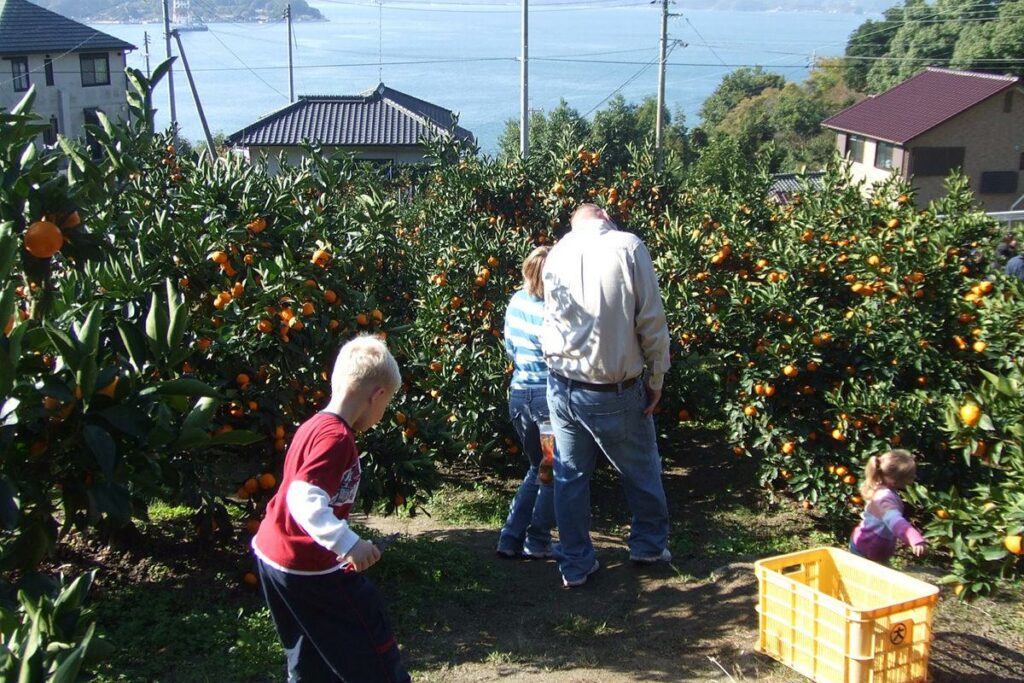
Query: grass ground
point(463, 615)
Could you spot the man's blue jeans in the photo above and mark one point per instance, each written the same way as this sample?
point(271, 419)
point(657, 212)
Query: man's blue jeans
point(532, 513)
point(587, 423)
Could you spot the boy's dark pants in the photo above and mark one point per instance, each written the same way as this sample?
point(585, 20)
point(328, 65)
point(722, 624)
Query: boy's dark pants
point(333, 627)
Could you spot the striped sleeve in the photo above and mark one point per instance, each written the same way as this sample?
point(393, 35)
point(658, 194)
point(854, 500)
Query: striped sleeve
point(523, 321)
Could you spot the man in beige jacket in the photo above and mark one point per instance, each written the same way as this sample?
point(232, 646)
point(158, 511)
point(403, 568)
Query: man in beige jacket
point(606, 344)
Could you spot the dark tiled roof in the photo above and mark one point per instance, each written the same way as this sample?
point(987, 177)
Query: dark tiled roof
point(27, 29)
point(381, 116)
point(918, 104)
point(792, 182)
point(785, 185)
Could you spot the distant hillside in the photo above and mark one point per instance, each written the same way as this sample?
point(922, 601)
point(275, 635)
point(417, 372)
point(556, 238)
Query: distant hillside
point(834, 6)
point(130, 11)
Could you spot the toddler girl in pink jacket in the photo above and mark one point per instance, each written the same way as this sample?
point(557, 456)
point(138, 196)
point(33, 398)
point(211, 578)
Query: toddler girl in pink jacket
point(882, 522)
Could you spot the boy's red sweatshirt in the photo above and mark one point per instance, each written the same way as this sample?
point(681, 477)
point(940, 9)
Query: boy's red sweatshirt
point(306, 524)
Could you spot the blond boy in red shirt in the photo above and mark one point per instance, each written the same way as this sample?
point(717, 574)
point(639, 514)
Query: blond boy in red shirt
point(329, 616)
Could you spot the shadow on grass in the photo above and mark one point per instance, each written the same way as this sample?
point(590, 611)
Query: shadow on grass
point(626, 618)
point(968, 658)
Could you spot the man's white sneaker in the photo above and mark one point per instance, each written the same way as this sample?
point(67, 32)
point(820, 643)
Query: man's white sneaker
point(663, 556)
point(576, 583)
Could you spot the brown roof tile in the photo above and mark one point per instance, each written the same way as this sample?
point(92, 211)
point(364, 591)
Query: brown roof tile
point(918, 104)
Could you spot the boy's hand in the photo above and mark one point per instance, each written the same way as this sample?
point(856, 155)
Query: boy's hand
point(362, 555)
point(918, 549)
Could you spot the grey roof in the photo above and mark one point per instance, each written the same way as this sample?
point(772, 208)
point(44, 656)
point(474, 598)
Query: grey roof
point(791, 182)
point(785, 185)
point(27, 29)
point(378, 117)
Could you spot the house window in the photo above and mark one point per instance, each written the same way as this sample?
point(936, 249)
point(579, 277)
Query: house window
point(884, 153)
point(999, 182)
point(936, 161)
point(1020, 164)
point(855, 148)
point(48, 70)
point(1008, 102)
point(95, 69)
point(50, 134)
point(19, 73)
point(91, 119)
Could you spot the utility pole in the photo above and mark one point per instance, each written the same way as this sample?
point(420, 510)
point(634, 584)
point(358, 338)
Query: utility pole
point(659, 125)
point(145, 44)
point(195, 96)
point(170, 69)
point(291, 69)
point(524, 90)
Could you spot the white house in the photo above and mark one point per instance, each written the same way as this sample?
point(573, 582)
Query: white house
point(381, 125)
point(76, 70)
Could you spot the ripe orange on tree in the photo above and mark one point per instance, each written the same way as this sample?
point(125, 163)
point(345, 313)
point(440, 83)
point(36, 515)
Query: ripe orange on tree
point(43, 239)
point(1013, 544)
point(267, 481)
point(970, 414)
point(251, 486)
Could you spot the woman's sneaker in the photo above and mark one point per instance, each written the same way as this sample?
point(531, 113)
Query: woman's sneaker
point(506, 554)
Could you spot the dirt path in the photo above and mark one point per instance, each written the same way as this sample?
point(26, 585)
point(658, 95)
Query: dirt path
point(687, 622)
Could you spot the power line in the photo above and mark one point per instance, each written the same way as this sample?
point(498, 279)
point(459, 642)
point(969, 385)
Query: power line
point(629, 80)
point(483, 9)
point(242, 62)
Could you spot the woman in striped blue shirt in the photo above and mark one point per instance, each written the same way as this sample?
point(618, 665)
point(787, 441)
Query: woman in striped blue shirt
point(527, 531)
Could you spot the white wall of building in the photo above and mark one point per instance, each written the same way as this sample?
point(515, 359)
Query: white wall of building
point(67, 99)
point(398, 155)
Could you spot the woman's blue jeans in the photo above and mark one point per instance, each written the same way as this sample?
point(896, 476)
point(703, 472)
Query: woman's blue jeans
point(532, 513)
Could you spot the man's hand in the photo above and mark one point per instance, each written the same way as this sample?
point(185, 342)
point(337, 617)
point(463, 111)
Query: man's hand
point(653, 397)
point(918, 549)
point(362, 555)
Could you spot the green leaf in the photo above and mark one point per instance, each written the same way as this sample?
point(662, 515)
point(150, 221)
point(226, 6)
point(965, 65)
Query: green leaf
point(156, 327)
point(133, 343)
point(69, 669)
point(89, 334)
point(66, 347)
point(994, 553)
point(184, 386)
point(10, 505)
point(190, 439)
point(1002, 384)
point(102, 446)
point(201, 414)
point(238, 437)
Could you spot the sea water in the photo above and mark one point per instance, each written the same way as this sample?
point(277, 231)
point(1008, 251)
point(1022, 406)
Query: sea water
point(466, 58)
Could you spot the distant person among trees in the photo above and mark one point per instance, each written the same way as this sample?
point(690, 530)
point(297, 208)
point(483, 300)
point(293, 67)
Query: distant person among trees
point(1006, 249)
point(1015, 266)
point(606, 344)
point(329, 616)
point(882, 521)
point(527, 531)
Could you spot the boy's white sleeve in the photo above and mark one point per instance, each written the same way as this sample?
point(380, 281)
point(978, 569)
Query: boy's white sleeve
point(310, 507)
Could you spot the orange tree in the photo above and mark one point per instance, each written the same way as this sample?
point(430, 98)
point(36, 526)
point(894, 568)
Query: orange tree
point(95, 419)
point(838, 328)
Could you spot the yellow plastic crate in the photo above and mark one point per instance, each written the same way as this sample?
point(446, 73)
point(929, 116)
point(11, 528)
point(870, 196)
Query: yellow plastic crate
point(838, 618)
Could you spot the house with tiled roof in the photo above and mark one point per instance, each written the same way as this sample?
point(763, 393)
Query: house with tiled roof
point(77, 71)
point(381, 125)
point(937, 121)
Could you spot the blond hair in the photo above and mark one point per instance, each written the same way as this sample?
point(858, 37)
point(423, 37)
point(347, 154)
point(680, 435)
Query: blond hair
point(896, 467)
point(533, 271)
point(365, 362)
